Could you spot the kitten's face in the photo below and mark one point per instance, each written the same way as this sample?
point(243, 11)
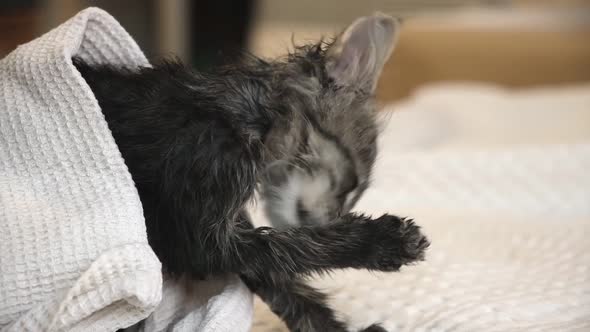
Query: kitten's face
point(330, 148)
point(324, 180)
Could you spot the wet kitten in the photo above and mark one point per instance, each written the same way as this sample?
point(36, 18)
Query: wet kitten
point(301, 129)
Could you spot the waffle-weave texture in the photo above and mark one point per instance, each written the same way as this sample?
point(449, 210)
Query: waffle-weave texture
point(73, 246)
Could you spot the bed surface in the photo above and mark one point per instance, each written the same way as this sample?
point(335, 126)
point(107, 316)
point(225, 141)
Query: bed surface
point(499, 181)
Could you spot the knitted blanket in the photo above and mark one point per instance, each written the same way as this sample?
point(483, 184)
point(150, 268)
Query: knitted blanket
point(73, 247)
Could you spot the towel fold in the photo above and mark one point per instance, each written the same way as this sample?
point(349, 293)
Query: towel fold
point(74, 253)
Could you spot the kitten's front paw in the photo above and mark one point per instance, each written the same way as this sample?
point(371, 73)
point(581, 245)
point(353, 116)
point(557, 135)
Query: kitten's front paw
point(397, 242)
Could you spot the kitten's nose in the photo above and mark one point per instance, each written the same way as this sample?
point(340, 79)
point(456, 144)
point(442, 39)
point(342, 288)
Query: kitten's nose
point(302, 213)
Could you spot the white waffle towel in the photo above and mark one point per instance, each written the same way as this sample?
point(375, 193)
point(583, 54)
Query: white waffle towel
point(73, 247)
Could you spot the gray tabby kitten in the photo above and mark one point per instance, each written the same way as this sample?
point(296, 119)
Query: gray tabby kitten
point(301, 130)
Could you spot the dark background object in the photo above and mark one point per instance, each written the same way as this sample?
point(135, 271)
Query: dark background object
point(218, 30)
point(208, 31)
point(17, 23)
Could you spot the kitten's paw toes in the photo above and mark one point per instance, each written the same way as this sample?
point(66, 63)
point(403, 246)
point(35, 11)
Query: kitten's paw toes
point(374, 328)
point(414, 242)
point(398, 242)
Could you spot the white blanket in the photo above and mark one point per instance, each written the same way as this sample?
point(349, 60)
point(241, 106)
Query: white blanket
point(499, 180)
point(73, 248)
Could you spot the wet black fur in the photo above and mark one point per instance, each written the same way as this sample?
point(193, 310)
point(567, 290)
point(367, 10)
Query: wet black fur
point(194, 144)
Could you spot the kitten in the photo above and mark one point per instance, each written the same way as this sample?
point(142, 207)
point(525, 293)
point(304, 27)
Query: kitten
point(302, 129)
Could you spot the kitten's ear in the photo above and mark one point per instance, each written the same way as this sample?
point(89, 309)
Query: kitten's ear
point(357, 56)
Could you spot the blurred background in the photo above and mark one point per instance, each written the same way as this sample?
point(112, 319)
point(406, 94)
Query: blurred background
point(492, 118)
point(515, 43)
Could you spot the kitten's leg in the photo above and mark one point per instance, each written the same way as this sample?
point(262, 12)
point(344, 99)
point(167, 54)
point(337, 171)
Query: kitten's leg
point(301, 307)
point(355, 241)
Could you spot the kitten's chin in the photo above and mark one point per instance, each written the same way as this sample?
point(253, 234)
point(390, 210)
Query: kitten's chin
point(281, 222)
point(280, 214)
point(289, 217)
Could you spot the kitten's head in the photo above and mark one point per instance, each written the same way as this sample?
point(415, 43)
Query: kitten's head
point(324, 153)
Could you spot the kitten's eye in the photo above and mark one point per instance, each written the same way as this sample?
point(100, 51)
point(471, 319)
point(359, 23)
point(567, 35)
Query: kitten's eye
point(332, 182)
point(302, 213)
